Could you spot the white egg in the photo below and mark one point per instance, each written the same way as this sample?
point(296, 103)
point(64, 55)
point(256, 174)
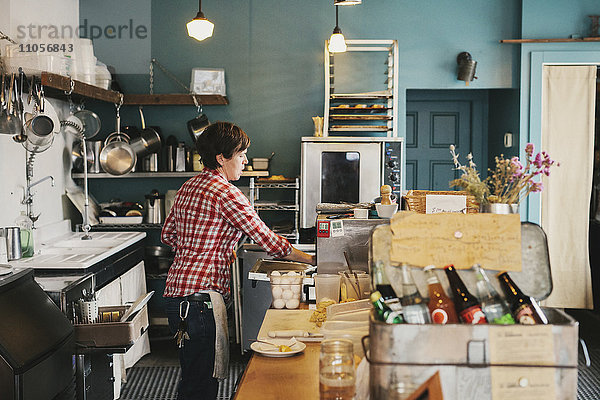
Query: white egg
point(279, 303)
point(292, 303)
point(276, 280)
point(292, 273)
point(275, 273)
point(296, 289)
point(276, 291)
point(287, 294)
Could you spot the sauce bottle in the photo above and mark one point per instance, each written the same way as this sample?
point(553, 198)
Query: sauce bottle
point(441, 307)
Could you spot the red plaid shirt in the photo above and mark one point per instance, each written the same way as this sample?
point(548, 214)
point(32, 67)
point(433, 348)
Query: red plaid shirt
point(207, 219)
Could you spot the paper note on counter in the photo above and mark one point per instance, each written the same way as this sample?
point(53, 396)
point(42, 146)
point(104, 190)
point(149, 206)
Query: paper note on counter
point(492, 240)
point(522, 383)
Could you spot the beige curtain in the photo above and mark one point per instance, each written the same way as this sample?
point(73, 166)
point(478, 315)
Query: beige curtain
point(569, 96)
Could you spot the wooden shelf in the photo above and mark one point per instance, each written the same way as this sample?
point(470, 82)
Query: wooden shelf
point(57, 85)
point(174, 99)
point(558, 40)
point(188, 174)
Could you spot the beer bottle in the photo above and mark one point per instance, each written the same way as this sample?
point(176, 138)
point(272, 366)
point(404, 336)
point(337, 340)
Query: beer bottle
point(467, 306)
point(494, 307)
point(414, 309)
point(382, 284)
point(383, 312)
point(524, 308)
point(441, 307)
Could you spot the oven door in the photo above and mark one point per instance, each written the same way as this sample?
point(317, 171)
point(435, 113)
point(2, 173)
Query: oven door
point(337, 173)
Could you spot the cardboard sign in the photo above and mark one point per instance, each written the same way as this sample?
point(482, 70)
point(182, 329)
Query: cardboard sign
point(492, 240)
point(440, 203)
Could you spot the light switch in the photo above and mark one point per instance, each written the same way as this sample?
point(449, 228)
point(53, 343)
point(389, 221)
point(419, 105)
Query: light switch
point(508, 139)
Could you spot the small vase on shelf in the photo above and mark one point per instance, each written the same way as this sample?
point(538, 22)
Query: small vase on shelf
point(499, 208)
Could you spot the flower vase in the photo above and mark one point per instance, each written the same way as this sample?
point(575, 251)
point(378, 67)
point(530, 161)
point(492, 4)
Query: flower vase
point(499, 208)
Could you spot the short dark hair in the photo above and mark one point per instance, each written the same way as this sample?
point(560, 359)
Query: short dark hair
point(221, 138)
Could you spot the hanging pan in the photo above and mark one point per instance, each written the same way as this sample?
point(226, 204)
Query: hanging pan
point(117, 157)
point(197, 125)
point(149, 140)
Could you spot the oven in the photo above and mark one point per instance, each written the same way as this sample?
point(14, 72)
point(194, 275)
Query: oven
point(347, 170)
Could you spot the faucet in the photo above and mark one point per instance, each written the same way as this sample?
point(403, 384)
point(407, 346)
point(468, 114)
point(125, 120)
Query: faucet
point(28, 199)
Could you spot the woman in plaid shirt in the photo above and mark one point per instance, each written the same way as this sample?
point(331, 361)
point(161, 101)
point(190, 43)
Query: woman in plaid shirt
point(208, 218)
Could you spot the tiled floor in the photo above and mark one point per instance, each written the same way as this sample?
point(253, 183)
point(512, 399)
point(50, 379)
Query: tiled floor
point(155, 376)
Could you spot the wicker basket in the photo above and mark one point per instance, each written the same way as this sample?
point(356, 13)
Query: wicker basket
point(415, 200)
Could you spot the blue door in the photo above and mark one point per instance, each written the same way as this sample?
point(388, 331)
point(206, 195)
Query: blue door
point(431, 127)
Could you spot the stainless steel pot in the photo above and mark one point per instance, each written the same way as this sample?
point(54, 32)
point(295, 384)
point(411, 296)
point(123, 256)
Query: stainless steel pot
point(158, 258)
point(77, 156)
point(155, 207)
point(117, 157)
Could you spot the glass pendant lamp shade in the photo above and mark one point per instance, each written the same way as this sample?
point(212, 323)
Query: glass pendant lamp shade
point(200, 28)
point(337, 42)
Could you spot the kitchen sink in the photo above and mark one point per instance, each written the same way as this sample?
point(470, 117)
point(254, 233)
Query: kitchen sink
point(69, 251)
point(72, 250)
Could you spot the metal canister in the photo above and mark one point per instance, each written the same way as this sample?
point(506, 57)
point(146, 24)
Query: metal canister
point(13, 242)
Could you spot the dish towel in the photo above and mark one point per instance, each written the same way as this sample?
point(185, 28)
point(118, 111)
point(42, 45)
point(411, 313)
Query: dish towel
point(221, 368)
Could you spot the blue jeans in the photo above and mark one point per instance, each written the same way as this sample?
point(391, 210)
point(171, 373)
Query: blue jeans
point(197, 357)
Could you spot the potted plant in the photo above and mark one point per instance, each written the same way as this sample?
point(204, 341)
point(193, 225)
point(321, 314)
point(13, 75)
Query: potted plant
point(508, 184)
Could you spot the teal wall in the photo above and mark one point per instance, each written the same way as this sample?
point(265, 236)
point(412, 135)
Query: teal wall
point(272, 52)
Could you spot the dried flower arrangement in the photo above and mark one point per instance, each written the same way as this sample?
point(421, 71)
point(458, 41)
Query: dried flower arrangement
point(510, 182)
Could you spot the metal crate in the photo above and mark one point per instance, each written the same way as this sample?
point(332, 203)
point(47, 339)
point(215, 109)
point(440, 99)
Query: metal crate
point(404, 356)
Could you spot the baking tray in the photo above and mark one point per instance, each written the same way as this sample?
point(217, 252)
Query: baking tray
point(262, 268)
point(112, 334)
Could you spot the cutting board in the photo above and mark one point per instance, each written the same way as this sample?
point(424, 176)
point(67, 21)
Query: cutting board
point(279, 320)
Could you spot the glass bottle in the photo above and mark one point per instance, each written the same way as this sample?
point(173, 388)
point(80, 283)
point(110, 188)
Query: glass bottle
point(26, 226)
point(467, 306)
point(382, 284)
point(494, 307)
point(414, 309)
point(336, 370)
point(524, 308)
point(383, 311)
point(441, 307)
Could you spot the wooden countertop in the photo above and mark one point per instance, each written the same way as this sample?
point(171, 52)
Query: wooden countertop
point(289, 378)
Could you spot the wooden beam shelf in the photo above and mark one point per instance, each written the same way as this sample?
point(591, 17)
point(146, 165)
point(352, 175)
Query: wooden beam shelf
point(558, 40)
point(56, 86)
point(174, 99)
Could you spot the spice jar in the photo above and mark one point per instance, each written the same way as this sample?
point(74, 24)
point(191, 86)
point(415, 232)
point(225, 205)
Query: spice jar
point(336, 370)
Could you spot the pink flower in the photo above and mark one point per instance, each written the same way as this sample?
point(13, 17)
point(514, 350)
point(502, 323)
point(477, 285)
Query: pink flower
point(538, 162)
point(529, 148)
point(537, 187)
point(547, 170)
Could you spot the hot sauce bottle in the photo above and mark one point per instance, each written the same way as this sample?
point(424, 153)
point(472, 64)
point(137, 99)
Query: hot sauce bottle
point(441, 307)
point(467, 306)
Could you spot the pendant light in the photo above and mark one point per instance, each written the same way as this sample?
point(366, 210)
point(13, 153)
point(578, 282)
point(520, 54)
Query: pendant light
point(347, 2)
point(337, 42)
point(200, 28)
